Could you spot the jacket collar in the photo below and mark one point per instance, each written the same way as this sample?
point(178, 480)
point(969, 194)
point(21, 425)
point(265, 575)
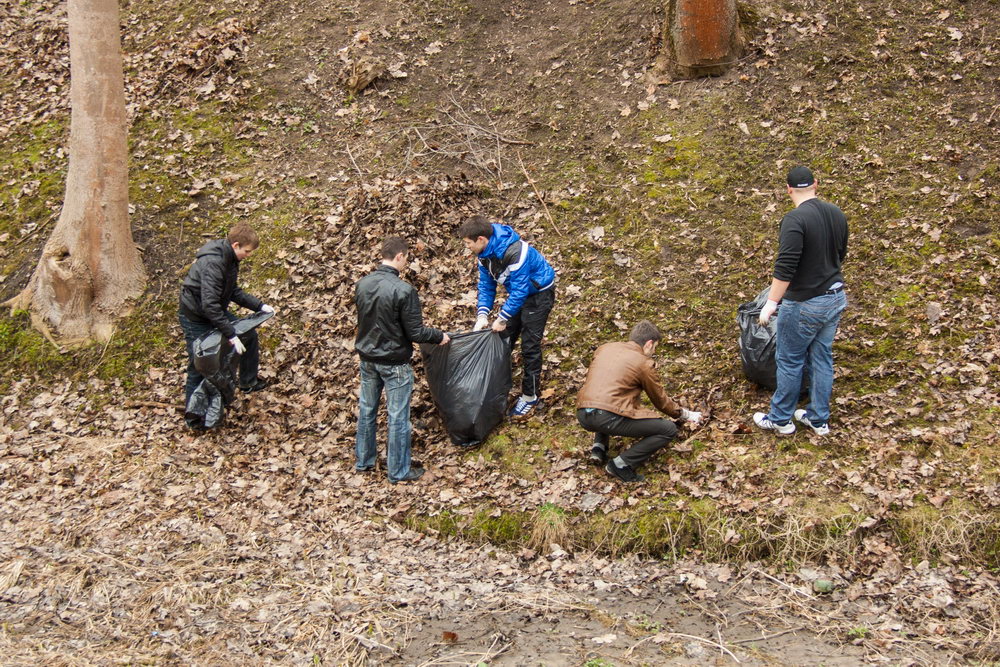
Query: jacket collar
point(387, 268)
point(228, 253)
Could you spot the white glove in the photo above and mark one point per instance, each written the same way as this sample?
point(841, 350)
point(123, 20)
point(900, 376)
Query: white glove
point(689, 416)
point(237, 344)
point(266, 309)
point(481, 323)
point(767, 311)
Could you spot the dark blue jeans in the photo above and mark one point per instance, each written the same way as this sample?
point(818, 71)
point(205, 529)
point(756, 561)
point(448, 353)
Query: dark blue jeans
point(249, 361)
point(805, 331)
point(397, 380)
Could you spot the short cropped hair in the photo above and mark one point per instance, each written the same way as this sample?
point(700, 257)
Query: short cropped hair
point(643, 332)
point(394, 245)
point(475, 227)
point(243, 234)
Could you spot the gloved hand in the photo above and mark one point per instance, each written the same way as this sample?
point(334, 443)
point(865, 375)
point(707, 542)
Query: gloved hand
point(499, 325)
point(481, 323)
point(690, 416)
point(767, 311)
point(445, 340)
point(266, 309)
point(237, 344)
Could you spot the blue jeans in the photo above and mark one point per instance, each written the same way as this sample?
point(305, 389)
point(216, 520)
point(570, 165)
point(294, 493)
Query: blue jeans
point(805, 331)
point(398, 383)
point(249, 360)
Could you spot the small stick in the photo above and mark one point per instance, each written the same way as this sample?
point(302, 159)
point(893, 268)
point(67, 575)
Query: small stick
point(764, 638)
point(781, 583)
point(537, 195)
point(722, 648)
point(151, 404)
point(351, 155)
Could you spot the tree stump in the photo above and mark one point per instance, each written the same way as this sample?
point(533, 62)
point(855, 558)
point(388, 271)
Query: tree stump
point(701, 37)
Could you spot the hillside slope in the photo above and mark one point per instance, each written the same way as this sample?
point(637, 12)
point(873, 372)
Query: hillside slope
point(653, 198)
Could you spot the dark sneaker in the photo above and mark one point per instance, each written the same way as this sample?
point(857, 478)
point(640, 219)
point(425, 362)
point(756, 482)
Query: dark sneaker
point(624, 473)
point(800, 417)
point(257, 386)
point(364, 468)
point(762, 422)
point(598, 455)
point(469, 446)
point(413, 475)
point(522, 408)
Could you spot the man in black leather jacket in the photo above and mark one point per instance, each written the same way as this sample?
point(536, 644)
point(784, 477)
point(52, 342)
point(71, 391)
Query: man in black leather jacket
point(389, 323)
point(207, 291)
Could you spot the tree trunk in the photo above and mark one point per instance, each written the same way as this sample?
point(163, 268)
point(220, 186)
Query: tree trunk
point(90, 269)
point(702, 37)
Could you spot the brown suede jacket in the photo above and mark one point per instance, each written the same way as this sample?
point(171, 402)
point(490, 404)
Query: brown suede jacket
point(619, 373)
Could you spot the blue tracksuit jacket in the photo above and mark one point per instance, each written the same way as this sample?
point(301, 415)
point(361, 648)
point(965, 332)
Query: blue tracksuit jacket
point(521, 269)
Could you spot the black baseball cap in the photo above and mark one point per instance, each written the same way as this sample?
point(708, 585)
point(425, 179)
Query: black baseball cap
point(800, 177)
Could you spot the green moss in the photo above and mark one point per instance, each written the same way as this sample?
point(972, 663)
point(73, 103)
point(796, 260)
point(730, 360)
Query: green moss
point(21, 346)
point(34, 176)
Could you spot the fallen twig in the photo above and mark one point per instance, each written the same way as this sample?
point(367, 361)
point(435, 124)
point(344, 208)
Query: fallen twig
point(351, 155)
point(721, 648)
point(153, 404)
point(781, 583)
point(764, 638)
point(538, 195)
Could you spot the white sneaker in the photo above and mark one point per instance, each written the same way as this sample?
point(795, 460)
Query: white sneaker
point(800, 417)
point(761, 420)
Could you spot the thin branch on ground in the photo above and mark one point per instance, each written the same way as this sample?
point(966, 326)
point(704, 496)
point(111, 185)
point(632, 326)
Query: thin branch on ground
point(538, 195)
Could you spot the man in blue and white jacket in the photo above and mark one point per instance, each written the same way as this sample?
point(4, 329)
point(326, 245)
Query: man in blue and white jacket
point(507, 259)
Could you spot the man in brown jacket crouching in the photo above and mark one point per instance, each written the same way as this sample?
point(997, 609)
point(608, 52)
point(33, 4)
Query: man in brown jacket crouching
point(609, 403)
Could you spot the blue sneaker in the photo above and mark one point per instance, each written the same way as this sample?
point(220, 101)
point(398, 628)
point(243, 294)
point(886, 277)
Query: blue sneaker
point(522, 408)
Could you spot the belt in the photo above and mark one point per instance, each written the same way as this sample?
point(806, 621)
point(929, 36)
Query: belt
point(835, 290)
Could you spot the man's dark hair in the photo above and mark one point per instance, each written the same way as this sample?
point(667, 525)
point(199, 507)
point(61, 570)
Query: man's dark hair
point(643, 332)
point(475, 227)
point(243, 234)
point(394, 245)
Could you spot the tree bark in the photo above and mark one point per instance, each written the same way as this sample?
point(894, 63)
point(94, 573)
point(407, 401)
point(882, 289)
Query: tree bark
point(90, 270)
point(702, 37)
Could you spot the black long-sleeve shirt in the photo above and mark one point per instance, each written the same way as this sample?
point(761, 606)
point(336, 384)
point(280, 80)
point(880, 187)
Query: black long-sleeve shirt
point(811, 247)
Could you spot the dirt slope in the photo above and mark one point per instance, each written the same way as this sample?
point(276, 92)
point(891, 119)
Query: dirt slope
point(125, 535)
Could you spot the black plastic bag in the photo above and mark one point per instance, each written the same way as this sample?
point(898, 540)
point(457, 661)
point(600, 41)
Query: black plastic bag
point(757, 344)
point(219, 363)
point(469, 380)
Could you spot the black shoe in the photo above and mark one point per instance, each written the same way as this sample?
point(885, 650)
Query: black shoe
point(598, 455)
point(624, 473)
point(261, 383)
point(469, 446)
point(364, 469)
point(413, 475)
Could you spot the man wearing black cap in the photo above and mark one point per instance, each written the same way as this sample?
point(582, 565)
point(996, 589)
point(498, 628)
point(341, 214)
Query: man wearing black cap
point(808, 283)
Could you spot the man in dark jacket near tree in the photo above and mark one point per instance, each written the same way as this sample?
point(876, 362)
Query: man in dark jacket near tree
point(207, 291)
point(506, 259)
point(389, 323)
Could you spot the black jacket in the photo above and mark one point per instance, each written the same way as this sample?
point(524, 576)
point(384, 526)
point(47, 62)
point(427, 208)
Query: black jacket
point(389, 319)
point(210, 286)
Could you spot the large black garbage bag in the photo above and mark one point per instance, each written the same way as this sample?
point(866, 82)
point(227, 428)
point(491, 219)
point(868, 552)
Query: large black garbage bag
point(757, 344)
point(469, 380)
point(218, 361)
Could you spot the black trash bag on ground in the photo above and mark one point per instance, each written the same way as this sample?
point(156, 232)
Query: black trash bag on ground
point(757, 344)
point(218, 361)
point(469, 379)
